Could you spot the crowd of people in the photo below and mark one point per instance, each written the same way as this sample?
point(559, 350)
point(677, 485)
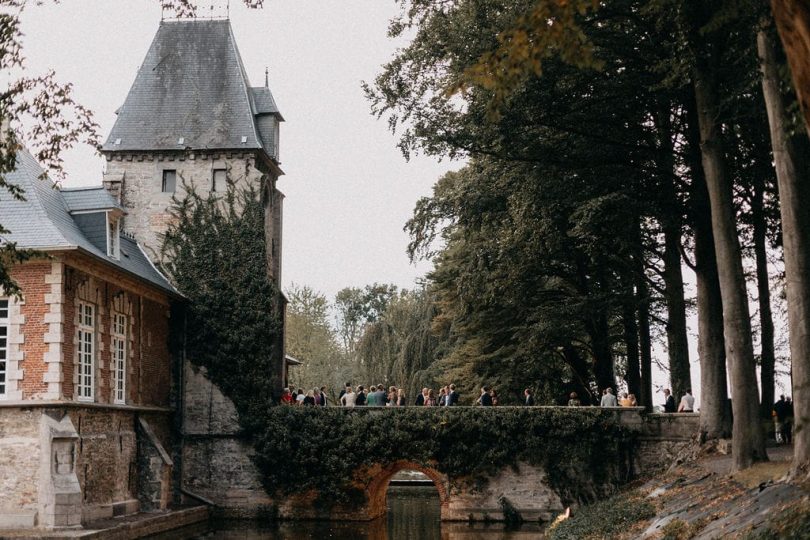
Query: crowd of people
point(380, 396)
point(447, 396)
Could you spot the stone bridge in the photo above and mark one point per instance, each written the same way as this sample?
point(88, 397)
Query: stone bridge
point(218, 466)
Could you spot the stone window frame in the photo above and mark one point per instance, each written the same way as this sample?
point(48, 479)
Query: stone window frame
point(5, 331)
point(163, 180)
point(83, 330)
point(215, 188)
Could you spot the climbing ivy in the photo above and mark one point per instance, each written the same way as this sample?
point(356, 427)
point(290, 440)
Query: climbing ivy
point(214, 253)
point(323, 448)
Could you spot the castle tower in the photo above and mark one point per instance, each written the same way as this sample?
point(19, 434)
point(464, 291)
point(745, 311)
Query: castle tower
point(192, 118)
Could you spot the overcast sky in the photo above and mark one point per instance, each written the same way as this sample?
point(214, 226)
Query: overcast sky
point(348, 189)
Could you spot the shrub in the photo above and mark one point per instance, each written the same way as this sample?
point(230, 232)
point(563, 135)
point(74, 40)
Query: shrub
point(604, 519)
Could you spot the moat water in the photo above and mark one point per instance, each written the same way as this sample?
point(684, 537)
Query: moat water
point(413, 514)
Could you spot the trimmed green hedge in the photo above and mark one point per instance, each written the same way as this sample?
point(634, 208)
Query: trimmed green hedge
point(310, 447)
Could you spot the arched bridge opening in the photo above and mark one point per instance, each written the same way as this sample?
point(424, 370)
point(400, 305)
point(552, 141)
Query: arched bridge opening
point(378, 486)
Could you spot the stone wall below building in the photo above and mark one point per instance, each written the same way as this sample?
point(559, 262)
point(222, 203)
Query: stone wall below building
point(63, 464)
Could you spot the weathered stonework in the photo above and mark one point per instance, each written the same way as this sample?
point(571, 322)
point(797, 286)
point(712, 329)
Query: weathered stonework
point(217, 462)
point(136, 179)
point(20, 446)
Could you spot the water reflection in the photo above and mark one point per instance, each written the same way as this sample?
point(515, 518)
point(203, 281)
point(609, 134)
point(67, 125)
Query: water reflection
point(413, 514)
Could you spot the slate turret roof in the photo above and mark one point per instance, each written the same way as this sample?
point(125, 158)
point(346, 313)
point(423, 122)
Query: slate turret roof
point(191, 92)
point(43, 221)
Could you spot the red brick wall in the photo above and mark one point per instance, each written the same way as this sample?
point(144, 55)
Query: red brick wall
point(149, 362)
point(31, 278)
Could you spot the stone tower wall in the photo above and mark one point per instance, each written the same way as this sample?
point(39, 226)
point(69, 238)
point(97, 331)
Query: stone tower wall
point(136, 179)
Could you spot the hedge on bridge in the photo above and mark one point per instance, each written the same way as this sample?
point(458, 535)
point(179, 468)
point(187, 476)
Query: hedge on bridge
point(299, 448)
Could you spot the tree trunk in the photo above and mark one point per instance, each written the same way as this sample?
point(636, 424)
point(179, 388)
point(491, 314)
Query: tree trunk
point(715, 414)
point(677, 341)
point(794, 194)
point(632, 375)
point(767, 358)
point(748, 442)
point(645, 341)
point(793, 22)
point(671, 219)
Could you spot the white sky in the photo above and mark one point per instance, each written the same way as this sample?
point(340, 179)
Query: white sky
point(348, 189)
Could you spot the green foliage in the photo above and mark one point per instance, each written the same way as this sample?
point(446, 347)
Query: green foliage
point(358, 307)
point(311, 339)
point(604, 519)
point(214, 253)
point(400, 345)
point(302, 448)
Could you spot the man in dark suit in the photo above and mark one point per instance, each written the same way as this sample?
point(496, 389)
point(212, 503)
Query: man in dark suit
point(420, 399)
point(452, 396)
point(669, 401)
point(529, 397)
point(323, 397)
point(485, 399)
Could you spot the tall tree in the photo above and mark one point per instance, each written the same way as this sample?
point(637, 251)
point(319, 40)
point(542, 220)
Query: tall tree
point(789, 154)
point(309, 337)
point(748, 442)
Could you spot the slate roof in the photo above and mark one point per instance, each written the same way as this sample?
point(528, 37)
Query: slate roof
point(192, 85)
point(263, 102)
point(43, 222)
point(89, 198)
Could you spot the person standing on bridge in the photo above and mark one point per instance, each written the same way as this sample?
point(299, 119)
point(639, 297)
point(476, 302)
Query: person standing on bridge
point(687, 402)
point(452, 397)
point(361, 397)
point(529, 402)
point(485, 399)
point(669, 401)
point(608, 399)
point(348, 398)
point(430, 400)
point(420, 399)
point(573, 400)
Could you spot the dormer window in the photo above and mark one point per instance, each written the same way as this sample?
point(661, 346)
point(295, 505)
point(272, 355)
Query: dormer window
point(113, 236)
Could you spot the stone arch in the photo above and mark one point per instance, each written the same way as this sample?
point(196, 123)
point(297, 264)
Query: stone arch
point(377, 488)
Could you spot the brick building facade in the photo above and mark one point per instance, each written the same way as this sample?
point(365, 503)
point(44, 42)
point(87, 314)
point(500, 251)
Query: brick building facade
point(92, 396)
point(85, 366)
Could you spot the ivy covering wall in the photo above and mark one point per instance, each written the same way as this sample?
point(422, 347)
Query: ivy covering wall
point(300, 448)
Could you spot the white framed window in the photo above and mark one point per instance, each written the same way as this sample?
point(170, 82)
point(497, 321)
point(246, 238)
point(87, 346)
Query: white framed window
point(119, 357)
point(4, 331)
point(113, 237)
point(87, 352)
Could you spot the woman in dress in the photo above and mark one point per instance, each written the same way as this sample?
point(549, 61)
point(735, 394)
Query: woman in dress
point(348, 399)
point(430, 400)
